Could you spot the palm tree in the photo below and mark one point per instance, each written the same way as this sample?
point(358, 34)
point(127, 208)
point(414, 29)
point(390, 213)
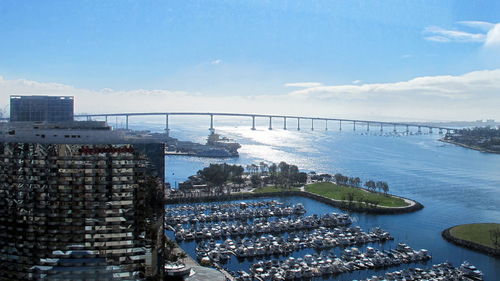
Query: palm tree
point(263, 167)
point(169, 250)
point(182, 256)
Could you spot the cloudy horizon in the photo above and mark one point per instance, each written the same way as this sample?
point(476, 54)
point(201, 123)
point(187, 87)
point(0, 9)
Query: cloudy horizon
point(466, 97)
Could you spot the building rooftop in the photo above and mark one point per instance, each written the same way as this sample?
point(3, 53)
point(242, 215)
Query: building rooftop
point(74, 132)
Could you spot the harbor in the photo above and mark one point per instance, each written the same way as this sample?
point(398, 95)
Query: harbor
point(294, 238)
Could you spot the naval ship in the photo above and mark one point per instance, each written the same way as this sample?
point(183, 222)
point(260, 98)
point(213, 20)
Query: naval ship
point(216, 146)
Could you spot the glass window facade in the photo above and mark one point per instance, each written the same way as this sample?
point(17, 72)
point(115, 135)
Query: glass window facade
point(73, 211)
point(41, 108)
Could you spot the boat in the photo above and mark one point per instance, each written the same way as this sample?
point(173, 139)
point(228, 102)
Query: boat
point(215, 147)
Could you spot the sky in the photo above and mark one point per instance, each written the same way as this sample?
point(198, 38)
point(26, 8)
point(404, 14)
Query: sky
point(381, 60)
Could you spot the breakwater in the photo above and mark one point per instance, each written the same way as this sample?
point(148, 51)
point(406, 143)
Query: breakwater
point(341, 204)
point(468, 244)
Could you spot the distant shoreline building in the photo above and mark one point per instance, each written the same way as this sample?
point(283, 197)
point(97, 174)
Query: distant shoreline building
point(79, 201)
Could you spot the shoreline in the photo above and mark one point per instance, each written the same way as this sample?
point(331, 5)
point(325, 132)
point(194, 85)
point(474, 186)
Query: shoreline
point(341, 204)
point(480, 149)
point(469, 244)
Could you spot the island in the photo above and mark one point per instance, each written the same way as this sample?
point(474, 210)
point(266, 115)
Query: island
point(485, 139)
point(482, 237)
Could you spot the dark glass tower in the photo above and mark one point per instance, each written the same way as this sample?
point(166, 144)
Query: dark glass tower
point(41, 109)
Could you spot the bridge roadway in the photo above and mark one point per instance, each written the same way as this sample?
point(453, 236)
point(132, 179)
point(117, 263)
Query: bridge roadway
point(367, 123)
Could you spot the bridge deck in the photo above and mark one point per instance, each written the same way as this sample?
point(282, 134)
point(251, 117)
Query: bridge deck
point(251, 115)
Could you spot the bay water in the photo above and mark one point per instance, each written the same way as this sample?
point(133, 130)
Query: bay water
point(456, 185)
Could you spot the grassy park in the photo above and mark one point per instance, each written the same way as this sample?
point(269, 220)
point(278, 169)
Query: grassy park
point(333, 191)
point(479, 233)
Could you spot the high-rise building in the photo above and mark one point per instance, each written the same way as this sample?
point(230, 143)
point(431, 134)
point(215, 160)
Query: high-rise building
point(79, 201)
point(41, 108)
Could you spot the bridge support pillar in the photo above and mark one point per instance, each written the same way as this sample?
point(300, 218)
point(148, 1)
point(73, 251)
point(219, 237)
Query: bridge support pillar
point(430, 130)
point(381, 127)
point(354, 126)
point(326, 125)
point(340, 125)
point(284, 123)
point(407, 129)
point(419, 129)
point(253, 123)
point(211, 123)
point(394, 128)
point(270, 123)
point(367, 126)
point(167, 129)
point(106, 119)
point(312, 124)
point(298, 124)
point(126, 122)
point(440, 131)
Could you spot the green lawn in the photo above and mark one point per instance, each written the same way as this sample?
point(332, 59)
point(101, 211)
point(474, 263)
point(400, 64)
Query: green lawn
point(477, 232)
point(273, 189)
point(334, 191)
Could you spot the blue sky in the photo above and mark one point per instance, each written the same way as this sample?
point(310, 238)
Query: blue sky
point(243, 48)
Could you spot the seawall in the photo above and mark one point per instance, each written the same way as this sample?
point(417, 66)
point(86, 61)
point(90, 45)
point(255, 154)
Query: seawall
point(468, 244)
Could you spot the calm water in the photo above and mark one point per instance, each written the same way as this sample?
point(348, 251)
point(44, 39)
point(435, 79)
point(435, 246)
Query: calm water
point(456, 185)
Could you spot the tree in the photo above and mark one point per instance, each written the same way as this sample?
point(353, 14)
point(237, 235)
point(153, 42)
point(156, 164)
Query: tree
point(339, 178)
point(169, 250)
point(370, 185)
point(255, 180)
point(385, 187)
point(273, 170)
point(264, 168)
point(357, 181)
point(302, 178)
point(181, 256)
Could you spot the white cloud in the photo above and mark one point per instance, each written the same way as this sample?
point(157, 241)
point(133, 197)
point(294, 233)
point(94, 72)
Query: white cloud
point(357, 82)
point(446, 35)
point(493, 36)
point(470, 96)
point(468, 86)
point(441, 39)
point(217, 61)
point(485, 26)
point(488, 33)
point(303, 84)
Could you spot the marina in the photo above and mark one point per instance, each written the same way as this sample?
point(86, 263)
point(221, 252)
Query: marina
point(266, 245)
point(351, 260)
point(281, 239)
point(229, 212)
point(442, 271)
point(259, 226)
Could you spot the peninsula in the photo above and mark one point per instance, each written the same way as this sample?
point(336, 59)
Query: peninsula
point(485, 139)
point(229, 182)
